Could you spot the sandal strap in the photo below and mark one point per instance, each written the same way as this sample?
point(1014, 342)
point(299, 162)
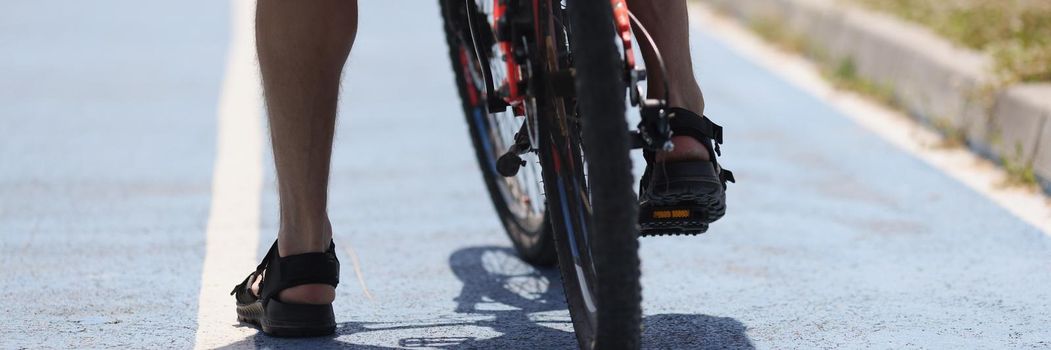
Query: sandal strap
point(708, 133)
point(726, 175)
point(290, 271)
point(241, 291)
point(699, 127)
point(294, 270)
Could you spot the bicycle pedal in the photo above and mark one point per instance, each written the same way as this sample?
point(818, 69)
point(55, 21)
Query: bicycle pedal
point(673, 221)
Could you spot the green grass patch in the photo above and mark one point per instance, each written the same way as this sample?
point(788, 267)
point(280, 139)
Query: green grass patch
point(953, 136)
point(1019, 172)
point(773, 30)
point(844, 75)
point(1015, 33)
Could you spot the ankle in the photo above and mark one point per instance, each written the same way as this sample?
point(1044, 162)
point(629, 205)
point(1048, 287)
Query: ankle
point(301, 239)
point(686, 94)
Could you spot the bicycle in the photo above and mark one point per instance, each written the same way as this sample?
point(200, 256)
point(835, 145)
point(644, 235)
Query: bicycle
point(543, 86)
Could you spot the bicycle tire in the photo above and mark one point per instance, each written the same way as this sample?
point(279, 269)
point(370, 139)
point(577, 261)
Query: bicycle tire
point(599, 137)
point(533, 242)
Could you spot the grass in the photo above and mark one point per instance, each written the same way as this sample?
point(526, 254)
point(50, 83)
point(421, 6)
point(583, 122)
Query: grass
point(774, 31)
point(843, 74)
point(1015, 33)
point(1019, 173)
point(953, 136)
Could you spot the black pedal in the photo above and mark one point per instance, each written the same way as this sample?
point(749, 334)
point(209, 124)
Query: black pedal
point(673, 221)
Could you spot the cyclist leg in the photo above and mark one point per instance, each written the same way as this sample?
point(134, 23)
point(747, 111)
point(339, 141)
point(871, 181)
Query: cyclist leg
point(667, 21)
point(302, 47)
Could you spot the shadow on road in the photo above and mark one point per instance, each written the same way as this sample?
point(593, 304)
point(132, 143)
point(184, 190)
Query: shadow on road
point(525, 306)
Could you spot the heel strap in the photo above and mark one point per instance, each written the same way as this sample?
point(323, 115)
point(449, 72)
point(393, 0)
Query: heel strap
point(294, 270)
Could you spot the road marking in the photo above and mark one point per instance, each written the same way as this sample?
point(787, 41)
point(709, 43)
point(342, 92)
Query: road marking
point(973, 171)
point(233, 221)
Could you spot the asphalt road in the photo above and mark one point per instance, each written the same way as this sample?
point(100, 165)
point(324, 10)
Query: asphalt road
point(108, 143)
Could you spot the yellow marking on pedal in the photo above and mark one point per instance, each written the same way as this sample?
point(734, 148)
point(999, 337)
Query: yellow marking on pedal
point(671, 214)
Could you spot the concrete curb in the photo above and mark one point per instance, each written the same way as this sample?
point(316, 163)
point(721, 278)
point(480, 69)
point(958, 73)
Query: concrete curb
point(942, 85)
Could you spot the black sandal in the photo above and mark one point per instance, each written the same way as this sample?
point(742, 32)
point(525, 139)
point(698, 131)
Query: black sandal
point(281, 319)
point(683, 197)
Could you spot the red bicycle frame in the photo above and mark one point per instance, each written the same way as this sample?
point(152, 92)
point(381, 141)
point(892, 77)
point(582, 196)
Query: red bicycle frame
point(515, 97)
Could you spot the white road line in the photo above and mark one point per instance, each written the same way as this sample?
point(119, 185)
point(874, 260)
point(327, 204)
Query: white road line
point(975, 172)
point(233, 222)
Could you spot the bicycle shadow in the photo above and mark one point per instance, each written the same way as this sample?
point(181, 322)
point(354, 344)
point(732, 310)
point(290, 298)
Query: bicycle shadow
point(526, 307)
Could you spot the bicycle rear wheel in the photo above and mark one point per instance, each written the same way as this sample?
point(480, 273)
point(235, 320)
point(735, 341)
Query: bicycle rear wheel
point(587, 171)
point(518, 199)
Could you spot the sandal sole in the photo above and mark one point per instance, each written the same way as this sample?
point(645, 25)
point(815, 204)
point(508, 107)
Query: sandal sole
point(289, 320)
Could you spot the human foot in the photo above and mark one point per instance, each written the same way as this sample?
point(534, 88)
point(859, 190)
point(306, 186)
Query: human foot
point(291, 296)
point(289, 243)
point(683, 190)
point(313, 294)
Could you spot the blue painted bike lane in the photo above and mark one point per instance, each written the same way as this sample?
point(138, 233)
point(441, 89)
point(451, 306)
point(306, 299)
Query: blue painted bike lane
point(834, 237)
